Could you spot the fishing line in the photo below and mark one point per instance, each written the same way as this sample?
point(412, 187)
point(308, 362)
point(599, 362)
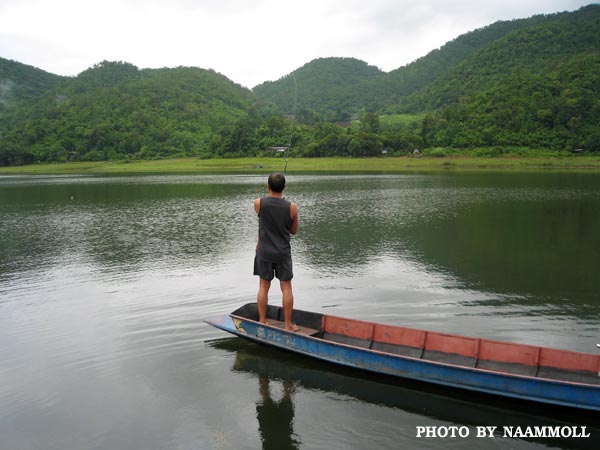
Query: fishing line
point(287, 151)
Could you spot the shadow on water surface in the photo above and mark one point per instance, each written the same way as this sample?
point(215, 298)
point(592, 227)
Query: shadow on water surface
point(450, 406)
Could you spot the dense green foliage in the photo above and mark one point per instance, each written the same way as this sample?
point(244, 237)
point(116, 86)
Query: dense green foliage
point(558, 110)
point(524, 83)
point(324, 89)
point(337, 88)
point(20, 83)
point(21, 86)
point(114, 110)
point(532, 82)
point(536, 87)
point(388, 92)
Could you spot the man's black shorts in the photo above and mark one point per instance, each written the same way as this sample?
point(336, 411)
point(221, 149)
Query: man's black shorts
point(267, 270)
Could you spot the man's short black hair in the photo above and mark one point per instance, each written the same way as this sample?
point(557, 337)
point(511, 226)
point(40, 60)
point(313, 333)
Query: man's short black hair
point(277, 182)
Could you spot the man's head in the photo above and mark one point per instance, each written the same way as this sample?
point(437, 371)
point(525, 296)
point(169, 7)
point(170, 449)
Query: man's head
point(277, 182)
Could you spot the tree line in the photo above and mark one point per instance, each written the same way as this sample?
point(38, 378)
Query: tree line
point(528, 83)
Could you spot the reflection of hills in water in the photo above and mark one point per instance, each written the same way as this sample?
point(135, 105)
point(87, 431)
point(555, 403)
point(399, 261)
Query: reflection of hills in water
point(546, 249)
point(441, 404)
point(119, 223)
point(531, 236)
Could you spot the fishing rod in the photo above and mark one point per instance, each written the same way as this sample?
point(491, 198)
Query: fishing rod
point(287, 151)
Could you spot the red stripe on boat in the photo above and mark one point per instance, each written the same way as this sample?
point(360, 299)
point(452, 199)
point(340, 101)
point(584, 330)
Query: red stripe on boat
point(348, 327)
point(568, 360)
point(507, 352)
point(449, 343)
point(390, 334)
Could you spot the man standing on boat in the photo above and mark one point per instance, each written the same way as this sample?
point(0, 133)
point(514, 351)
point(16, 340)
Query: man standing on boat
point(277, 221)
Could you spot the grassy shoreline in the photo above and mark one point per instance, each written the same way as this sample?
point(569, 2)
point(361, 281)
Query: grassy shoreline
point(312, 165)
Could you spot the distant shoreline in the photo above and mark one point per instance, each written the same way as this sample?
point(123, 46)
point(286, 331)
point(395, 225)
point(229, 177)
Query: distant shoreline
point(404, 164)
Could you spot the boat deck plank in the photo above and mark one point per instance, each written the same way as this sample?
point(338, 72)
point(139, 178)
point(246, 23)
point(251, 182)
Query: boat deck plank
point(301, 330)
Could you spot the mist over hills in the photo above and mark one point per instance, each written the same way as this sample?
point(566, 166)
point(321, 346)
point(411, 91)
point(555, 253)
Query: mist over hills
point(531, 82)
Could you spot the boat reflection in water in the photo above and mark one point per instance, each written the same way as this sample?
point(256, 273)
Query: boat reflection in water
point(434, 404)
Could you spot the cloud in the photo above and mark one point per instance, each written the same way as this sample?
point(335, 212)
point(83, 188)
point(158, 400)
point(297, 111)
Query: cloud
point(248, 41)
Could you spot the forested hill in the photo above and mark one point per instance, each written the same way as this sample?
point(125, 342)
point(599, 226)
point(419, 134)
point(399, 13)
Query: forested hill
point(324, 89)
point(20, 83)
point(538, 86)
point(351, 88)
point(387, 91)
point(115, 110)
point(538, 50)
point(431, 81)
point(524, 83)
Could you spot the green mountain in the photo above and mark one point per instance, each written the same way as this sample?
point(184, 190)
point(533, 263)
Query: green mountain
point(535, 50)
point(328, 85)
point(322, 87)
point(22, 83)
point(539, 86)
point(523, 83)
point(389, 90)
point(526, 82)
point(20, 87)
point(115, 110)
point(337, 88)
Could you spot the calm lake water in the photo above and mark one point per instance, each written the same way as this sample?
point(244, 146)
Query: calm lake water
point(105, 283)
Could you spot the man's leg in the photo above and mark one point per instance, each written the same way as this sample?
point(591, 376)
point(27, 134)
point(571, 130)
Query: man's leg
point(262, 299)
point(288, 304)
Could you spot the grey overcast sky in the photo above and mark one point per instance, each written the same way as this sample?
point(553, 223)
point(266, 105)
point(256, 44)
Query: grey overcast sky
point(249, 41)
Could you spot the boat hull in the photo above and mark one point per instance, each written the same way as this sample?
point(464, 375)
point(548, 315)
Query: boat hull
point(569, 394)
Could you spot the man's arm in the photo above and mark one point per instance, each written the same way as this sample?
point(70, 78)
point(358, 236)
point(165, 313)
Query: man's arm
point(294, 214)
point(257, 209)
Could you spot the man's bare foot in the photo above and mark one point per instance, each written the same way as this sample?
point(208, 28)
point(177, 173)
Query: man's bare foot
point(292, 327)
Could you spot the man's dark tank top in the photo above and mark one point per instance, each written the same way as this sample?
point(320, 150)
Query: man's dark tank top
point(274, 227)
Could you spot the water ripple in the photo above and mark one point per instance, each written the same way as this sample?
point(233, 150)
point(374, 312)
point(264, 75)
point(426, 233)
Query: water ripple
point(105, 283)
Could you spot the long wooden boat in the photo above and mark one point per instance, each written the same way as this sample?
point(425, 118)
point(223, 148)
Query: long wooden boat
point(426, 400)
point(540, 374)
